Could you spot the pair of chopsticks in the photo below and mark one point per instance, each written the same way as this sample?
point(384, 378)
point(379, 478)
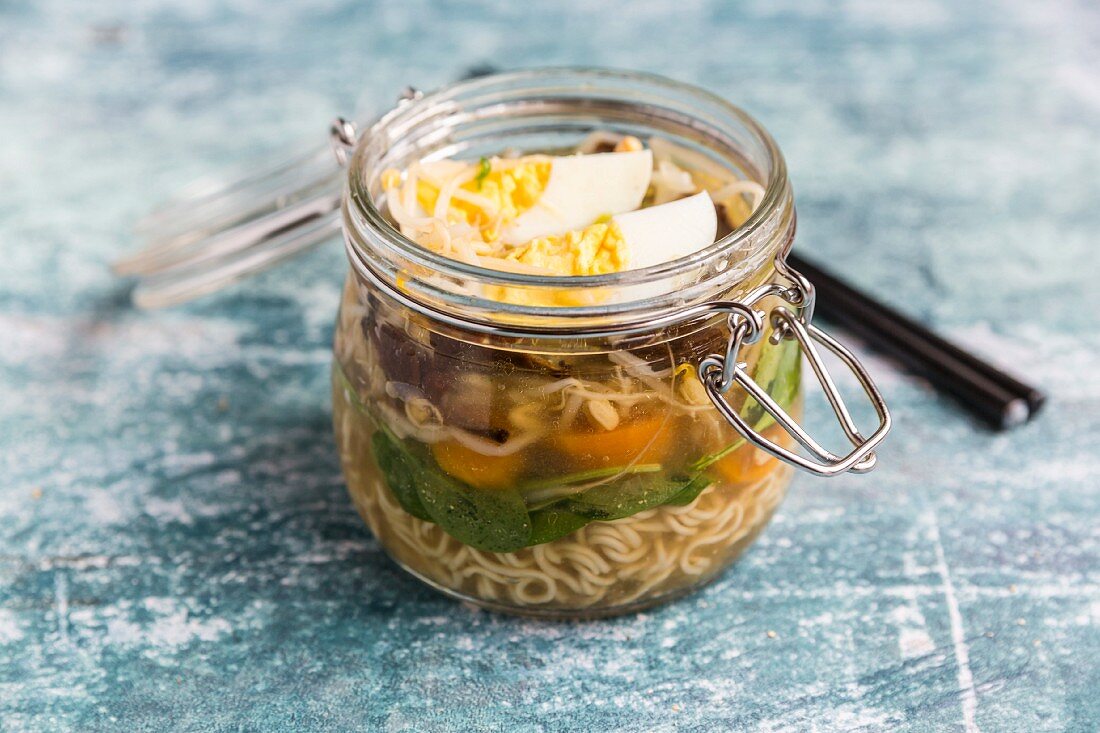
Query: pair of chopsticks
point(996, 398)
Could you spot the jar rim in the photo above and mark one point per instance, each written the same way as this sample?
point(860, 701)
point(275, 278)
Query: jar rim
point(362, 214)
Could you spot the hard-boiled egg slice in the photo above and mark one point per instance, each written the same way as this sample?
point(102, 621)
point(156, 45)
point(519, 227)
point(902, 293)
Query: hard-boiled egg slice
point(628, 241)
point(667, 232)
point(581, 189)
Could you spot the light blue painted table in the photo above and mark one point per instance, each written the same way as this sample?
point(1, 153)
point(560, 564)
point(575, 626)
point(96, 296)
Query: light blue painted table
point(176, 548)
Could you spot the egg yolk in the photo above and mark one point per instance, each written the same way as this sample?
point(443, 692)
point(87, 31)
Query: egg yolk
point(494, 198)
point(491, 196)
point(595, 250)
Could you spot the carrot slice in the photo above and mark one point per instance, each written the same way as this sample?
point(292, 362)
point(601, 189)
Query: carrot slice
point(475, 469)
point(641, 441)
point(748, 463)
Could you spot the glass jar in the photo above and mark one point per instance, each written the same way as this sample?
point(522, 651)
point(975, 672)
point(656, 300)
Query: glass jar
point(588, 445)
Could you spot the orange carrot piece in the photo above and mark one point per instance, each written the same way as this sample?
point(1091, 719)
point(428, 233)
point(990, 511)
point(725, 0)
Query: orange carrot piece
point(748, 463)
point(475, 469)
point(639, 441)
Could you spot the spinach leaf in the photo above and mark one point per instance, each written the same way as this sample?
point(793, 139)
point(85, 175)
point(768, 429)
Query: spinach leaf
point(400, 469)
point(785, 367)
point(484, 168)
point(767, 369)
point(784, 386)
point(494, 520)
point(554, 523)
point(585, 476)
point(690, 492)
point(707, 461)
point(629, 495)
point(546, 492)
point(491, 520)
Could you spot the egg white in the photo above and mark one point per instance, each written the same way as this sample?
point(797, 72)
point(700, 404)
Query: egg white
point(581, 189)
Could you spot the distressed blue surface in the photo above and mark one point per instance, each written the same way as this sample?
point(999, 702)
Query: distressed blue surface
point(176, 548)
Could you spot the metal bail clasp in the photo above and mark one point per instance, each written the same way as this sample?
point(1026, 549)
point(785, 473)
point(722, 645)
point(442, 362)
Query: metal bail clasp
point(719, 373)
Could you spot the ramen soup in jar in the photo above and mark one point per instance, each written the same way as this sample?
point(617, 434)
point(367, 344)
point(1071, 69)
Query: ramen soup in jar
point(568, 356)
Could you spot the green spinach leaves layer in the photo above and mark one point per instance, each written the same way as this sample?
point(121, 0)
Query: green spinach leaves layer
point(494, 520)
point(498, 520)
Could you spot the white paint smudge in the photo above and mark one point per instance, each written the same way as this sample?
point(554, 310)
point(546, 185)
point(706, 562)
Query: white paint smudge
point(171, 627)
point(168, 510)
point(823, 619)
point(61, 595)
point(10, 629)
point(913, 637)
point(958, 637)
point(915, 643)
point(104, 508)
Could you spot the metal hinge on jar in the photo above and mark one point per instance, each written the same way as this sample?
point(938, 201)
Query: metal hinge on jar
point(719, 373)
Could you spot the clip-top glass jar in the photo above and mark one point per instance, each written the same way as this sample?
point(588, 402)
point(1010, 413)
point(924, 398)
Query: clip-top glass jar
point(592, 457)
point(558, 446)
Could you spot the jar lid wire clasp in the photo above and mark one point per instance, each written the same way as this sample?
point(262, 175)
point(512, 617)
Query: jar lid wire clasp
point(718, 374)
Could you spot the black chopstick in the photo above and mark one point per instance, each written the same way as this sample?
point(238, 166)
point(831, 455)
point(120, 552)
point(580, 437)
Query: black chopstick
point(988, 393)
